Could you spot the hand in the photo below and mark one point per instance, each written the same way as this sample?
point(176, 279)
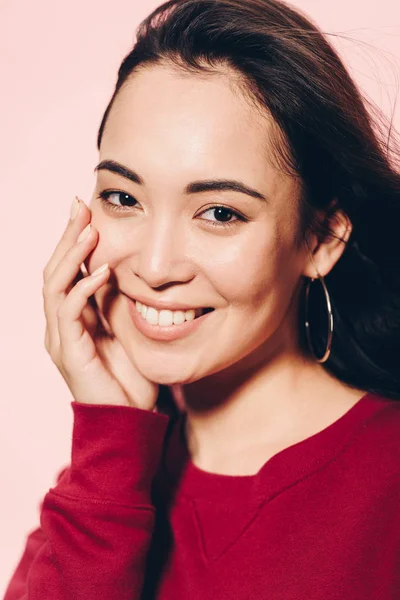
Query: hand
point(91, 360)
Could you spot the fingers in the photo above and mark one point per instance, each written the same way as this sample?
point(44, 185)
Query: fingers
point(69, 237)
point(63, 273)
point(58, 285)
point(71, 326)
point(67, 270)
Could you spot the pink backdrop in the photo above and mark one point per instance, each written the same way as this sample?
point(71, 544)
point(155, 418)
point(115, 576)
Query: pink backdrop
point(59, 65)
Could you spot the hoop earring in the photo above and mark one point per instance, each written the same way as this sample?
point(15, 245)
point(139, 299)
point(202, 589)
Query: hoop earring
point(327, 352)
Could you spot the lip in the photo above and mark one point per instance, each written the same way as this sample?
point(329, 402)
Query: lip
point(163, 333)
point(165, 305)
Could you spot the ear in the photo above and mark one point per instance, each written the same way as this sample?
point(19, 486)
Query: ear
point(324, 253)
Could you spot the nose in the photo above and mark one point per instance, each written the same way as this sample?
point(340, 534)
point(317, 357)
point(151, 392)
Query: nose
point(161, 257)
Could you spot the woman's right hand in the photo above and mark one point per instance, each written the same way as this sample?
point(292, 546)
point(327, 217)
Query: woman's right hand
point(92, 362)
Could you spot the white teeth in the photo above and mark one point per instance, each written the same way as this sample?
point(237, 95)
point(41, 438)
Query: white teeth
point(166, 318)
point(179, 317)
point(152, 315)
point(141, 308)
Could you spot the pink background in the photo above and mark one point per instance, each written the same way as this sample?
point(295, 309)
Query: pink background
point(59, 66)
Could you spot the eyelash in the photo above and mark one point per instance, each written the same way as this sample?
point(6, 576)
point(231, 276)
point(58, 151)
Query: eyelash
point(104, 195)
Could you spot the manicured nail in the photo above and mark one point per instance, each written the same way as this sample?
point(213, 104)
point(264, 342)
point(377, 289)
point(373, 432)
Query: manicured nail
point(75, 206)
point(100, 270)
point(84, 234)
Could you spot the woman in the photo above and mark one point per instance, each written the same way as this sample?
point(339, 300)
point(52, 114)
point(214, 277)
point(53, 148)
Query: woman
point(241, 250)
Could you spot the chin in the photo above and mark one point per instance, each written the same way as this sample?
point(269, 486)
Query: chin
point(167, 372)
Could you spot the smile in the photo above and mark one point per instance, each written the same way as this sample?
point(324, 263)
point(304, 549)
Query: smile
point(166, 325)
point(165, 318)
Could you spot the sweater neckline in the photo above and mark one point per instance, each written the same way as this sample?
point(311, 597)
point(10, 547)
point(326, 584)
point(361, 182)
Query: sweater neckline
point(284, 468)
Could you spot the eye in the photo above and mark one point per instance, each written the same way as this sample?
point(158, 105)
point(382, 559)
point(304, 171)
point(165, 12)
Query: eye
point(223, 216)
point(126, 201)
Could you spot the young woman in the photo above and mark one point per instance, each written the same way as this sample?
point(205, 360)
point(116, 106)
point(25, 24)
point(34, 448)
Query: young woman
point(241, 250)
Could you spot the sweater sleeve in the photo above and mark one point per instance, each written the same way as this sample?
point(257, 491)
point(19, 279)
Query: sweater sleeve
point(97, 522)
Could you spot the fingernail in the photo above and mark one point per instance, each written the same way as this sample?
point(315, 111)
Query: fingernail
point(84, 233)
point(100, 270)
point(75, 206)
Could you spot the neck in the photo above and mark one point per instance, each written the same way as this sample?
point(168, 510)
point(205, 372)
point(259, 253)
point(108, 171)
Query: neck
point(239, 416)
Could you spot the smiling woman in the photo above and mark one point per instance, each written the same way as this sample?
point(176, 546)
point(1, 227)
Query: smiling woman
point(233, 348)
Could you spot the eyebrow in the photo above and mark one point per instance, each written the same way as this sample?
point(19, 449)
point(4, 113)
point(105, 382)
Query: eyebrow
point(195, 187)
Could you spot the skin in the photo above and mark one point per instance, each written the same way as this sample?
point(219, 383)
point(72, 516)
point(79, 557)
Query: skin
point(173, 129)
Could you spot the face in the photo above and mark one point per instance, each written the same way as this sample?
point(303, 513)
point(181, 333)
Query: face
point(169, 241)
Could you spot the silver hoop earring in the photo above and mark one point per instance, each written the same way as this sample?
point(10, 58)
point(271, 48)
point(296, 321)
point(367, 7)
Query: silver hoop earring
point(327, 352)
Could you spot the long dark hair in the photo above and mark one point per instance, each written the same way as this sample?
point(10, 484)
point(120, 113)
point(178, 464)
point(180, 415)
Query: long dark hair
point(324, 135)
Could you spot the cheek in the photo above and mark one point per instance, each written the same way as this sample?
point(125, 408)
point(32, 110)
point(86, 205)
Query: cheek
point(252, 267)
point(107, 249)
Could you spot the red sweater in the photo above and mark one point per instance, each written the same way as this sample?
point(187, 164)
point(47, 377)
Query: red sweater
point(132, 518)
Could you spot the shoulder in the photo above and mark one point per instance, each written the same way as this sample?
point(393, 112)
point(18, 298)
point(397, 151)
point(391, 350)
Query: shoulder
point(376, 447)
point(384, 423)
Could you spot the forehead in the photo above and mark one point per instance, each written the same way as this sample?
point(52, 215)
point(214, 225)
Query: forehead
point(187, 120)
